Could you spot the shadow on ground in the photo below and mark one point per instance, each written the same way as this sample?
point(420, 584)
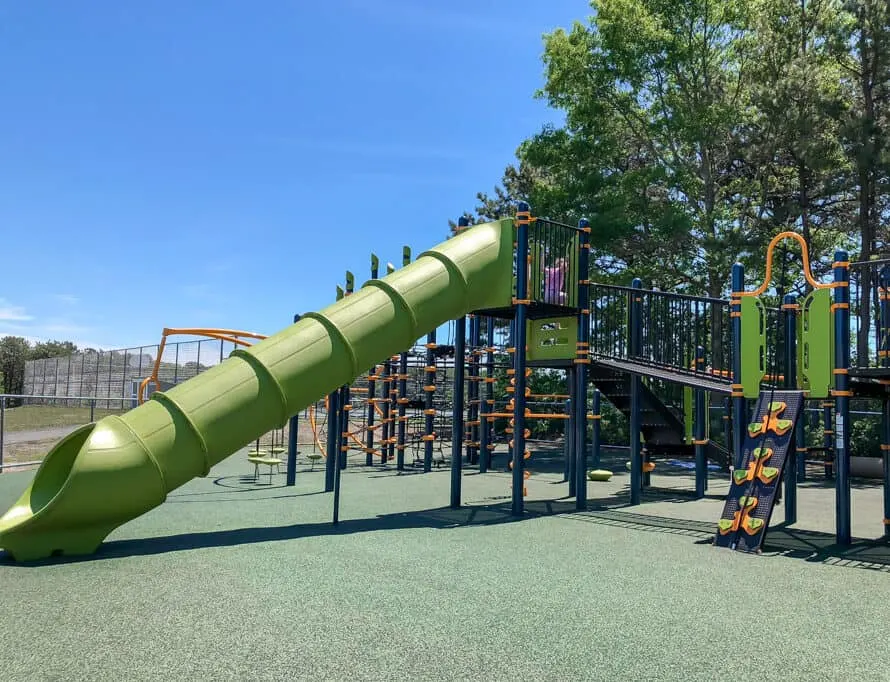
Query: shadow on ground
point(782, 541)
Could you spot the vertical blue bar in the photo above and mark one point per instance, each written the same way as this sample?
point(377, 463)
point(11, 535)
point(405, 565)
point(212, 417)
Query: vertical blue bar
point(569, 436)
point(372, 387)
point(789, 308)
point(489, 392)
point(473, 391)
point(523, 219)
point(429, 387)
point(293, 429)
point(369, 438)
point(343, 425)
point(595, 435)
point(582, 362)
point(828, 438)
point(402, 427)
point(571, 430)
point(700, 417)
point(884, 355)
point(484, 452)
point(727, 423)
point(739, 410)
point(842, 401)
point(333, 441)
point(457, 409)
point(636, 455)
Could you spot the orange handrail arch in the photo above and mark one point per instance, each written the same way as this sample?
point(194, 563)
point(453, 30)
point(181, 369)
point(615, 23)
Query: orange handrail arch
point(768, 275)
point(234, 336)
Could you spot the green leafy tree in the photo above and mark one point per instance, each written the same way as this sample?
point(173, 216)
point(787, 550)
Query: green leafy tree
point(14, 353)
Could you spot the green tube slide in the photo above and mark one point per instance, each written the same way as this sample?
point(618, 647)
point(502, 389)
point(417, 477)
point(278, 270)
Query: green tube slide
point(107, 473)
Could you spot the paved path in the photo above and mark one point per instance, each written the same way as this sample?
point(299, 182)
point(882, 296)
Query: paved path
point(35, 435)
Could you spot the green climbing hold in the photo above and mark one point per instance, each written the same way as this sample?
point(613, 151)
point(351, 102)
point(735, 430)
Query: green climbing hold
point(755, 429)
point(761, 453)
point(725, 524)
point(776, 407)
point(769, 473)
point(747, 501)
point(740, 476)
point(755, 524)
point(784, 423)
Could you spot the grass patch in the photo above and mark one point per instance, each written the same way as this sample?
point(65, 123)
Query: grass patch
point(35, 417)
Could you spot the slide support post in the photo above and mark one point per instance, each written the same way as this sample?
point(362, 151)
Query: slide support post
point(636, 455)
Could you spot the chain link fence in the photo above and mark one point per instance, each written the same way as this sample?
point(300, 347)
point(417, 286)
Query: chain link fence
point(112, 376)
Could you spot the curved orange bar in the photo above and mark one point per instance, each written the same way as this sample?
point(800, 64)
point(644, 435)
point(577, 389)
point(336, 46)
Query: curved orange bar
point(231, 335)
point(805, 258)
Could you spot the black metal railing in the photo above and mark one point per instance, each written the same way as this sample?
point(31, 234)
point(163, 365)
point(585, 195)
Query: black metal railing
point(865, 311)
point(609, 321)
point(673, 326)
point(553, 263)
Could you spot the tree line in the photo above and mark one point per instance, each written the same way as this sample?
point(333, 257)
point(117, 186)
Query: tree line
point(695, 130)
point(15, 351)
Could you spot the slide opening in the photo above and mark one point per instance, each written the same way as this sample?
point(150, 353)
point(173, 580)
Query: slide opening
point(55, 469)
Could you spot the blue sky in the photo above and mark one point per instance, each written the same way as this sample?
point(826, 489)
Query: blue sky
point(223, 163)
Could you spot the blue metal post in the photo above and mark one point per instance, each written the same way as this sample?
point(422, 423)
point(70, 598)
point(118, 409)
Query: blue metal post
point(429, 412)
point(571, 431)
point(739, 409)
point(842, 395)
point(484, 429)
point(457, 409)
point(700, 420)
point(582, 362)
point(403, 390)
point(386, 420)
point(472, 390)
point(333, 441)
point(596, 430)
point(789, 306)
point(884, 355)
point(293, 429)
point(636, 455)
point(522, 222)
point(569, 436)
point(489, 392)
point(372, 386)
point(828, 438)
point(345, 407)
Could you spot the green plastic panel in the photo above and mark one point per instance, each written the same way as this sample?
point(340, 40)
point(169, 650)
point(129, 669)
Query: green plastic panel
point(815, 344)
point(553, 338)
point(753, 351)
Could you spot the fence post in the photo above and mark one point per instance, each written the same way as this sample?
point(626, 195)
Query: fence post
point(636, 455)
point(92, 410)
point(842, 395)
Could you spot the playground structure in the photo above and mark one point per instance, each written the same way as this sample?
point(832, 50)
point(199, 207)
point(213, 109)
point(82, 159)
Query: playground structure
point(518, 296)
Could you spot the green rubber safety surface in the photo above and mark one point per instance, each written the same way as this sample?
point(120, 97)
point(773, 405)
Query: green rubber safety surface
point(233, 580)
point(749, 504)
